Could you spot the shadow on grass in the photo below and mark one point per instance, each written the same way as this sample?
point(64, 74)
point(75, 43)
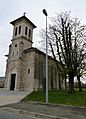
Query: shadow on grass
point(58, 97)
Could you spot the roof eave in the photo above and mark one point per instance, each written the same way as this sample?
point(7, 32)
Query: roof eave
point(13, 22)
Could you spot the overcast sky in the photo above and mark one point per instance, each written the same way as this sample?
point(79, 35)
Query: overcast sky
point(13, 9)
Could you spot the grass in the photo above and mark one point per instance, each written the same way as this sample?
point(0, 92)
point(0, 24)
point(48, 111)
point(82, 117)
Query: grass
point(59, 97)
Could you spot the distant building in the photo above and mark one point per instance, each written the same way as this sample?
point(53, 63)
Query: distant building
point(2, 81)
point(25, 69)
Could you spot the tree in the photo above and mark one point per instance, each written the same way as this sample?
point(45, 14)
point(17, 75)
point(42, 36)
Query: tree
point(67, 43)
point(79, 49)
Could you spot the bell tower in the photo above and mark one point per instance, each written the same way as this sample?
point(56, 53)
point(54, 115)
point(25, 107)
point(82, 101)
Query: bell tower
point(22, 39)
point(23, 31)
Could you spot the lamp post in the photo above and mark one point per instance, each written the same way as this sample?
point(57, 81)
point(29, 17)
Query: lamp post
point(45, 13)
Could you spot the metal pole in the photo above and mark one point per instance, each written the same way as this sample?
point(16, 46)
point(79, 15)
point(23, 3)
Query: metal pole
point(45, 12)
point(46, 65)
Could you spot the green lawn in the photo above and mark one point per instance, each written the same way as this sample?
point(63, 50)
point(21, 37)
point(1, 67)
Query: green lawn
point(59, 97)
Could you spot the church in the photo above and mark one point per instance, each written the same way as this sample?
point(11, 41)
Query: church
point(25, 67)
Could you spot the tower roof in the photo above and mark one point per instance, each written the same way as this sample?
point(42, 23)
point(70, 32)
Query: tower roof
point(23, 18)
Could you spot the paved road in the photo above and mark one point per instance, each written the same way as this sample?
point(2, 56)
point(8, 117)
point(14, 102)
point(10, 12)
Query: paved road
point(8, 115)
point(8, 97)
point(65, 112)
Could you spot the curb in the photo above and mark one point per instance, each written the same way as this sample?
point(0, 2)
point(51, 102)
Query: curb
point(53, 104)
point(31, 114)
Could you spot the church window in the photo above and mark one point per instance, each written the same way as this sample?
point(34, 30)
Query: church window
point(26, 29)
point(19, 29)
point(16, 31)
point(28, 71)
point(13, 54)
point(29, 33)
point(17, 52)
point(15, 45)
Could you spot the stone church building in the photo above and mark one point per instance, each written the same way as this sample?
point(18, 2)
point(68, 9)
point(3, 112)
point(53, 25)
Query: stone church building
point(25, 69)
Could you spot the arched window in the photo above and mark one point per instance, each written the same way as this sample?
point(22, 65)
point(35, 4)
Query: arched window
point(28, 71)
point(26, 30)
point(16, 31)
point(29, 33)
point(13, 54)
point(19, 29)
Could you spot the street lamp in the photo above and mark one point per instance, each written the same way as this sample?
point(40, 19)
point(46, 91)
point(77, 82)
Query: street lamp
point(45, 13)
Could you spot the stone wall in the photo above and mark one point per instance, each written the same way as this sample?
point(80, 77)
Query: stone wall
point(40, 72)
point(27, 71)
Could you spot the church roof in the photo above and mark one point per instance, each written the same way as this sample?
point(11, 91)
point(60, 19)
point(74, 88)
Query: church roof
point(38, 51)
point(33, 49)
point(23, 18)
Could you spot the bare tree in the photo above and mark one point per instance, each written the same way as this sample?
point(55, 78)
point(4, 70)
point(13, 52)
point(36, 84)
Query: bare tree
point(67, 43)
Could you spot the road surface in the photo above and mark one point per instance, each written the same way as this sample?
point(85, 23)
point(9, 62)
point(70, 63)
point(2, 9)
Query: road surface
point(9, 115)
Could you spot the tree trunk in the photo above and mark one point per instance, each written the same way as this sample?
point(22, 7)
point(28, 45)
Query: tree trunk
point(59, 81)
point(80, 87)
point(65, 83)
point(71, 82)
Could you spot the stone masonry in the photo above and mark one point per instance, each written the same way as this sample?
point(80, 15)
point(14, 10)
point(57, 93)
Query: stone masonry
point(25, 69)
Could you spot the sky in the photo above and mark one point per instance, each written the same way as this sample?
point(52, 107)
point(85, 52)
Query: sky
point(13, 9)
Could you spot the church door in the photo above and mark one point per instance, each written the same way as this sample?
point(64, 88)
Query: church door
point(12, 84)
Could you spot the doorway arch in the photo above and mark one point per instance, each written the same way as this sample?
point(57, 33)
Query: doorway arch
point(13, 79)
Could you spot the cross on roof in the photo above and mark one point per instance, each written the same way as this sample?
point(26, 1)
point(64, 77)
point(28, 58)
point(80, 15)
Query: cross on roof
point(24, 13)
